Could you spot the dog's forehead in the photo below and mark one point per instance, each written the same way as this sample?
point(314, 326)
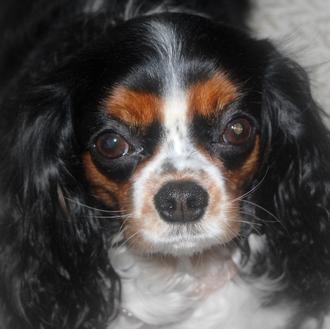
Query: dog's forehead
point(170, 77)
point(142, 108)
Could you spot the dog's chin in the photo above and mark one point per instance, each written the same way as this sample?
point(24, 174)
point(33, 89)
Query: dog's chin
point(181, 248)
point(184, 244)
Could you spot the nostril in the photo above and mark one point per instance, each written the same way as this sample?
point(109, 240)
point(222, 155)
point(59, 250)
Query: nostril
point(168, 204)
point(194, 203)
point(181, 201)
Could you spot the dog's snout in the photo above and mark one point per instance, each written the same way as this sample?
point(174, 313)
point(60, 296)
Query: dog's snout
point(181, 201)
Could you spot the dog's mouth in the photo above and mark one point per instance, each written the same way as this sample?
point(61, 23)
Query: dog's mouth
point(187, 241)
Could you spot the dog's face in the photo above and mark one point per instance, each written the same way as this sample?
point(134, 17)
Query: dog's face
point(172, 131)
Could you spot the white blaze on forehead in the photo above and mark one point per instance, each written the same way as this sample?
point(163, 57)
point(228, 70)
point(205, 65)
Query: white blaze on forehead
point(176, 143)
point(169, 49)
point(175, 109)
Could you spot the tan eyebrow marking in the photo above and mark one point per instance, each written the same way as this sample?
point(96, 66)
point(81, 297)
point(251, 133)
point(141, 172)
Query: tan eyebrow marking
point(134, 107)
point(209, 96)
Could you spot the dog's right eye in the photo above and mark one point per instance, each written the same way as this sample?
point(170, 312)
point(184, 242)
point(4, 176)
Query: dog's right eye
point(111, 145)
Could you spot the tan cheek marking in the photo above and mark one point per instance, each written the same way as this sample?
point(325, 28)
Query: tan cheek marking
point(240, 176)
point(235, 180)
point(132, 107)
point(119, 194)
point(207, 97)
point(216, 197)
point(111, 193)
point(116, 195)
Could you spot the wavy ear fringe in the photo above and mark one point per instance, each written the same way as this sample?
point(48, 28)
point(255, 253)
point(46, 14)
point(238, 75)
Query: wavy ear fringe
point(53, 247)
point(297, 185)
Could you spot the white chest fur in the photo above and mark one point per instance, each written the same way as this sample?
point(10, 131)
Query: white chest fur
point(190, 294)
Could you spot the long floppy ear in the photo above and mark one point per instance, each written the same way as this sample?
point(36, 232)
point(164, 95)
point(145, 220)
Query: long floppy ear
point(296, 189)
point(52, 251)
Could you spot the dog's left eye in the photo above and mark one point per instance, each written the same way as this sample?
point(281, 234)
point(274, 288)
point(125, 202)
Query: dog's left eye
point(111, 145)
point(237, 131)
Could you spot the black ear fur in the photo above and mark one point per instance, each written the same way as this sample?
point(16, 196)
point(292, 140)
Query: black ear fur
point(296, 189)
point(53, 248)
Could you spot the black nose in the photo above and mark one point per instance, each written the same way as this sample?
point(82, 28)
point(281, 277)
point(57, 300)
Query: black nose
point(181, 201)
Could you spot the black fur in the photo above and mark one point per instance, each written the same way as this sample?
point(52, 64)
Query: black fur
point(55, 63)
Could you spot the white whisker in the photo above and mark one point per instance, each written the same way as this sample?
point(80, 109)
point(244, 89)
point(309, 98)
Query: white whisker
point(93, 208)
point(253, 189)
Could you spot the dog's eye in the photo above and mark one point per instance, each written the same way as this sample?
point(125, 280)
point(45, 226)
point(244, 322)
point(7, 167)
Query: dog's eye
point(237, 131)
point(111, 145)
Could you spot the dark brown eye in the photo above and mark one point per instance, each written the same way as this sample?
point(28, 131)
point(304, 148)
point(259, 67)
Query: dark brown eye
point(111, 145)
point(237, 132)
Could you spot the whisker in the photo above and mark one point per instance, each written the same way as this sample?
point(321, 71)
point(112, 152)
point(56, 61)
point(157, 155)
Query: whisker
point(258, 218)
point(266, 211)
point(262, 208)
point(253, 189)
point(127, 219)
point(93, 208)
point(276, 219)
point(246, 222)
point(112, 217)
point(129, 240)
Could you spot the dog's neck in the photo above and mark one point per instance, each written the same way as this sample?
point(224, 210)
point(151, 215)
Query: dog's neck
point(182, 280)
point(214, 264)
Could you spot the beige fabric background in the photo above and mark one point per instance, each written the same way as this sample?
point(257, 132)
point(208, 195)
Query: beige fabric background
point(301, 28)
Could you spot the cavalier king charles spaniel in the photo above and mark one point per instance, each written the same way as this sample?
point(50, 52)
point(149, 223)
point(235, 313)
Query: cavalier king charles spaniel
point(160, 168)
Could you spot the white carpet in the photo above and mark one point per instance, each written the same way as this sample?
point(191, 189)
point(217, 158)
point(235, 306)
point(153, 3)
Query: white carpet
point(301, 28)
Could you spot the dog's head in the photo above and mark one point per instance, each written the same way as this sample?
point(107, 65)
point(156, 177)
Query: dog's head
point(172, 137)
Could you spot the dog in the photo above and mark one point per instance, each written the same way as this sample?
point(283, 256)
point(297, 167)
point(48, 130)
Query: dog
point(160, 168)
